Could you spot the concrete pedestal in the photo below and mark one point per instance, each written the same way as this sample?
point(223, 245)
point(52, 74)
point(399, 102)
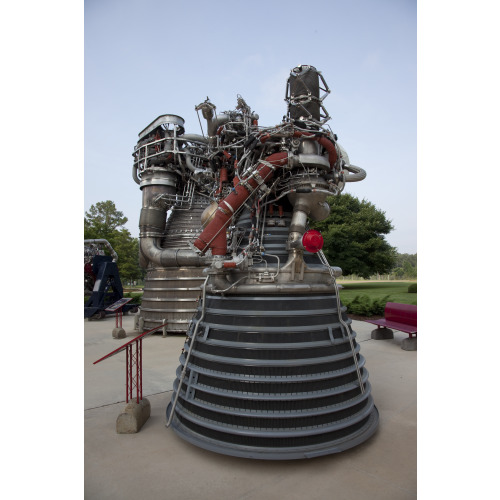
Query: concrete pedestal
point(382, 334)
point(134, 416)
point(409, 344)
point(119, 333)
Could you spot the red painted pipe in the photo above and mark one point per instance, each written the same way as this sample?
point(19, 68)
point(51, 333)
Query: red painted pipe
point(214, 234)
point(222, 178)
point(223, 174)
point(330, 147)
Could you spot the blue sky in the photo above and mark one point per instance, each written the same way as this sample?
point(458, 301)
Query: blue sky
point(144, 59)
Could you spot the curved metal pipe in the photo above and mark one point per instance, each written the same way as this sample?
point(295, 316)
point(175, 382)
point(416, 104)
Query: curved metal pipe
point(170, 257)
point(358, 173)
point(214, 123)
point(108, 246)
point(191, 167)
point(134, 174)
point(152, 225)
point(193, 138)
point(325, 142)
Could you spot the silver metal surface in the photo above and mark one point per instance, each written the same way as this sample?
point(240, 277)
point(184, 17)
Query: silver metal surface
point(104, 242)
point(162, 120)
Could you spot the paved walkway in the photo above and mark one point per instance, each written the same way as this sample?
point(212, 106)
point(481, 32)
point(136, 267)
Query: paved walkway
point(156, 464)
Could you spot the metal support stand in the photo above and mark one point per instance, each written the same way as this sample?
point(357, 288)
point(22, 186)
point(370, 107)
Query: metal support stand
point(134, 370)
point(118, 317)
point(117, 308)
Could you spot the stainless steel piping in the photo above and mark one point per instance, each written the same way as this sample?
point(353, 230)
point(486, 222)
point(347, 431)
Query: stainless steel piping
point(193, 138)
point(155, 184)
point(358, 173)
point(171, 257)
point(193, 338)
point(107, 244)
point(342, 322)
point(134, 173)
point(191, 167)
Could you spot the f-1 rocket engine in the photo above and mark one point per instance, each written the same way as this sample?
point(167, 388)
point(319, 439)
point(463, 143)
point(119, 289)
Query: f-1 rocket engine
point(271, 368)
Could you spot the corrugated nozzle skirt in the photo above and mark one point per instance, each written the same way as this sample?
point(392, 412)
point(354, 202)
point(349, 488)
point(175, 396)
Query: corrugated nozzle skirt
point(273, 377)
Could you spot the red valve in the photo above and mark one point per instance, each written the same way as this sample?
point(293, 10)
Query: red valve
point(312, 241)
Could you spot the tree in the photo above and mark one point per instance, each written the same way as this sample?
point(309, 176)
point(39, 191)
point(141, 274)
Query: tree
point(354, 237)
point(102, 222)
point(401, 258)
point(103, 218)
point(405, 265)
point(410, 271)
point(399, 272)
point(127, 249)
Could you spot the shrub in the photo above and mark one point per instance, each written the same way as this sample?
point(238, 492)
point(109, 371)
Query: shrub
point(412, 288)
point(136, 298)
point(359, 305)
point(362, 305)
point(378, 305)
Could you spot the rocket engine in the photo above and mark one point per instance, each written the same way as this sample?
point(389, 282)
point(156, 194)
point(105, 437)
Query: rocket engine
point(271, 368)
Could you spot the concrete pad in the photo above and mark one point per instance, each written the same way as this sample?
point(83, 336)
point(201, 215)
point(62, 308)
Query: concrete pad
point(156, 463)
point(409, 344)
point(382, 334)
point(133, 417)
point(118, 333)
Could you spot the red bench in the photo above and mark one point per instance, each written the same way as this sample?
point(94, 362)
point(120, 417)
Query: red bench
point(402, 317)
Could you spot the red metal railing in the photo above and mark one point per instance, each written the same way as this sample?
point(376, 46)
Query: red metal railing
point(133, 370)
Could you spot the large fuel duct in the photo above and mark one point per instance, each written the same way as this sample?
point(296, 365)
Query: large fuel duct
point(271, 368)
point(170, 216)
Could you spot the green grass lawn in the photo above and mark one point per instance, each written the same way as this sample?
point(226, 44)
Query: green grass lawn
point(392, 291)
point(398, 291)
